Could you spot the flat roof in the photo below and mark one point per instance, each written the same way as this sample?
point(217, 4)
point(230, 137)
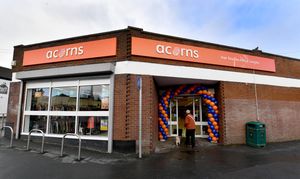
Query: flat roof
point(5, 73)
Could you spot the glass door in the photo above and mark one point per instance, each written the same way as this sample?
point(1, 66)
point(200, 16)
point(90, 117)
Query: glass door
point(173, 123)
point(178, 107)
point(201, 121)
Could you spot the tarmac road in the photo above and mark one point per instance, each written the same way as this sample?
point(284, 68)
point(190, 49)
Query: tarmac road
point(278, 160)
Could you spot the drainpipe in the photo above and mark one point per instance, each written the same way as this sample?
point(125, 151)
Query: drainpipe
point(256, 101)
point(19, 110)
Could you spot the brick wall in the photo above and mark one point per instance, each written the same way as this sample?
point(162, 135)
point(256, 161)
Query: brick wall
point(277, 108)
point(126, 110)
point(13, 105)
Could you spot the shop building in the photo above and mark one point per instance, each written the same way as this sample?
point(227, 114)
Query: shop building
point(88, 86)
point(5, 78)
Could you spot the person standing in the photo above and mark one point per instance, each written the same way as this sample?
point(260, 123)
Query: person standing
point(189, 124)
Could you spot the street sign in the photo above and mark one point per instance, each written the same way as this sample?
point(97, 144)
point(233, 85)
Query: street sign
point(138, 81)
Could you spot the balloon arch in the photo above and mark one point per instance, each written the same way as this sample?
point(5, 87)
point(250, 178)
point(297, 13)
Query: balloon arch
point(208, 100)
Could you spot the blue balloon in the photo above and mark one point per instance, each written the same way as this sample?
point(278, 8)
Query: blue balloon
point(211, 127)
point(216, 119)
point(214, 131)
point(215, 115)
point(209, 139)
point(204, 96)
point(209, 107)
point(216, 134)
point(209, 123)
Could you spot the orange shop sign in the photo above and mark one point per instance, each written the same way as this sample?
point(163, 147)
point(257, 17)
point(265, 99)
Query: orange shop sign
point(76, 51)
point(167, 50)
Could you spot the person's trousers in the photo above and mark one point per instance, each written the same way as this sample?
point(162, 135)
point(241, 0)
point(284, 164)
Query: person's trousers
point(190, 137)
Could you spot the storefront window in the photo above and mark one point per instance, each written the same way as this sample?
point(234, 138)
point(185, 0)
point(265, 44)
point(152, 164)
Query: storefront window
point(94, 98)
point(62, 124)
point(93, 125)
point(64, 104)
point(63, 99)
point(37, 99)
point(35, 122)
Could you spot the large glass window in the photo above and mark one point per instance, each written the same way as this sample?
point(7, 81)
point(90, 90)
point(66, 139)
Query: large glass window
point(93, 125)
point(94, 98)
point(37, 99)
point(35, 122)
point(63, 99)
point(62, 124)
point(80, 107)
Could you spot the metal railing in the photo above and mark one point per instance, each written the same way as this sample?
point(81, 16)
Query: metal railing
point(11, 135)
point(79, 145)
point(43, 139)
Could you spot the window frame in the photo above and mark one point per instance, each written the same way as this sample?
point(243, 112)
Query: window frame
point(67, 83)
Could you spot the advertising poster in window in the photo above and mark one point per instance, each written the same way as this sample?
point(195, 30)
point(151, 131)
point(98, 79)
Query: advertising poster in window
point(104, 125)
point(4, 88)
point(104, 103)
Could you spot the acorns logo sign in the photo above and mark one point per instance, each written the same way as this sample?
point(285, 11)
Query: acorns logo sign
point(69, 52)
point(176, 51)
point(65, 52)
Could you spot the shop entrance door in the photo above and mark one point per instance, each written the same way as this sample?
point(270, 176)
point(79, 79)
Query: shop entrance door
point(178, 107)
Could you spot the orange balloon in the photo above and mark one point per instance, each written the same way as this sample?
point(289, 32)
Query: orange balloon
point(214, 139)
point(163, 112)
point(166, 103)
point(209, 130)
point(204, 92)
point(208, 93)
point(164, 126)
point(161, 123)
point(212, 103)
point(168, 96)
point(212, 119)
point(159, 119)
point(216, 111)
point(216, 127)
point(215, 107)
point(165, 115)
point(208, 101)
point(209, 115)
point(161, 137)
point(167, 118)
point(215, 123)
point(161, 108)
point(166, 130)
point(211, 135)
point(164, 98)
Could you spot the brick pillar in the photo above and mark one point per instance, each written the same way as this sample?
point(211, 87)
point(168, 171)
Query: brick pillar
point(126, 111)
point(13, 105)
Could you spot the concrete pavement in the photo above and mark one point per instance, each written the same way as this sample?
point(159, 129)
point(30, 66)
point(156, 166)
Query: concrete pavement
point(278, 160)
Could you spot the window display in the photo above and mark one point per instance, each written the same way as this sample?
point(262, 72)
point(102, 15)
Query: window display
point(37, 99)
point(62, 124)
point(35, 122)
point(93, 125)
point(62, 105)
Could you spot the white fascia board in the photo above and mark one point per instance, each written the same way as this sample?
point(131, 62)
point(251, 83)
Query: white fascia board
point(143, 68)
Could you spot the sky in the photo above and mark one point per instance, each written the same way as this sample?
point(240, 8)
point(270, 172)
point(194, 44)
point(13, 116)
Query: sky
point(272, 25)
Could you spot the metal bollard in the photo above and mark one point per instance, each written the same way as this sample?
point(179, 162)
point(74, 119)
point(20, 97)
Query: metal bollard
point(43, 139)
point(79, 145)
point(11, 135)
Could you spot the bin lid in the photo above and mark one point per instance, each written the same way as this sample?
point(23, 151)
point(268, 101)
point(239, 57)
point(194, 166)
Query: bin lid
point(255, 124)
